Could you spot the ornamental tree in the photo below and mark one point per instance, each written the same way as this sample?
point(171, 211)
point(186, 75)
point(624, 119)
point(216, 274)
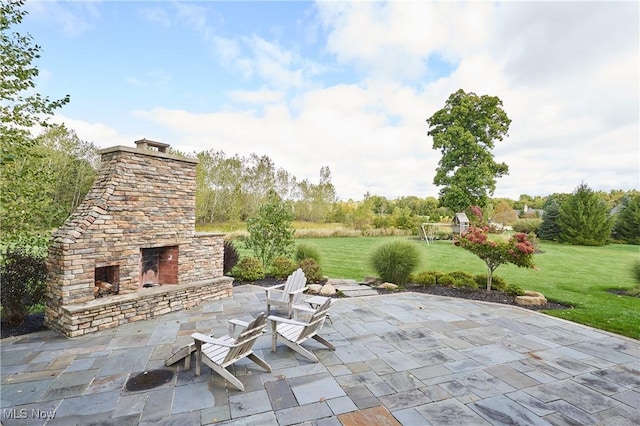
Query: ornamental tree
point(518, 250)
point(465, 131)
point(271, 230)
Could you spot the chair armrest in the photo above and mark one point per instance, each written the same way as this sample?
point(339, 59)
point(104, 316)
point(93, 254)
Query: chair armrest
point(236, 322)
point(274, 287)
point(285, 320)
point(300, 290)
point(209, 339)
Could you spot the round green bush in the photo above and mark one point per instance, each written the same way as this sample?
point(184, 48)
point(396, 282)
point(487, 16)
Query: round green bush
point(307, 251)
point(23, 275)
point(514, 290)
point(464, 279)
point(425, 278)
point(311, 269)
point(497, 283)
point(447, 280)
point(395, 261)
point(248, 269)
point(527, 225)
point(282, 267)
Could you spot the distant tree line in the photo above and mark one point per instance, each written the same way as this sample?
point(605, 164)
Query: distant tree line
point(51, 175)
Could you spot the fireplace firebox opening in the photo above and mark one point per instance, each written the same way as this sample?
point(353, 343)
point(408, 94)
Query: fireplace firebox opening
point(158, 266)
point(107, 280)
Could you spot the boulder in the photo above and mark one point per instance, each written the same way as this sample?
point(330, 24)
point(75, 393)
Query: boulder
point(370, 281)
point(314, 288)
point(327, 290)
point(388, 286)
point(531, 298)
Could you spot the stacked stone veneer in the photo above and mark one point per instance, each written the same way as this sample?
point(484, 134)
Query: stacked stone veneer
point(140, 199)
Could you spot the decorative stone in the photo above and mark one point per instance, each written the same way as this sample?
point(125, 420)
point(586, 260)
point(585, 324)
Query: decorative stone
point(327, 290)
point(314, 288)
point(370, 281)
point(531, 298)
point(388, 286)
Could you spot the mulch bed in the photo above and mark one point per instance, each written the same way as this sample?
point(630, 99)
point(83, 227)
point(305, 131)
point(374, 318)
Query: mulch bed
point(35, 322)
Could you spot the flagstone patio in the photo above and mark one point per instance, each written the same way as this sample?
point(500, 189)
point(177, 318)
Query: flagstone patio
point(411, 359)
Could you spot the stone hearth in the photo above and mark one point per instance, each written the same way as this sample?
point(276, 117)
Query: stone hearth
point(130, 250)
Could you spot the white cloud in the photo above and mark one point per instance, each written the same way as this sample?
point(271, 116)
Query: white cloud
point(567, 74)
point(264, 96)
point(100, 134)
point(73, 19)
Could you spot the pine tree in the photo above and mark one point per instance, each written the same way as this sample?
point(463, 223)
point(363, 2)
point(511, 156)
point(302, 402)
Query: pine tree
point(627, 227)
point(549, 229)
point(584, 219)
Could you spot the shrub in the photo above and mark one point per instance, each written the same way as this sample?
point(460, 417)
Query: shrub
point(635, 291)
point(248, 269)
point(527, 226)
point(311, 269)
point(307, 251)
point(282, 267)
point(231, 257)
point(425, 278)
point(497, 283)
point(23, 278)
point(464, 279)
point(447, 280)
point(395, 261)
point(514, 290)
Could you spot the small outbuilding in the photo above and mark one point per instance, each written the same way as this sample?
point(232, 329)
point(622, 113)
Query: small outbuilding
point(460, 223)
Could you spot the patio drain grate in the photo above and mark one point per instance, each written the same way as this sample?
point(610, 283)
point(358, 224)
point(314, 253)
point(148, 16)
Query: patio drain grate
point(149, 380)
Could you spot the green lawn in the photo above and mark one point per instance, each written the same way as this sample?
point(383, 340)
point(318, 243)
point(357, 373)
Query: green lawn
point(574, 275)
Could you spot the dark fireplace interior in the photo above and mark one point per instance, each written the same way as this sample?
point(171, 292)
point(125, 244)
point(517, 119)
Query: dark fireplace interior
point(158, 266)
point(106, 281)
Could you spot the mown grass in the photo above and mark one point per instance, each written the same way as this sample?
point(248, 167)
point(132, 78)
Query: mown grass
point(573, 275)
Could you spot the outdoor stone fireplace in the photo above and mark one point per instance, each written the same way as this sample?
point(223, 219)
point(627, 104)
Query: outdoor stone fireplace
point(130, 251)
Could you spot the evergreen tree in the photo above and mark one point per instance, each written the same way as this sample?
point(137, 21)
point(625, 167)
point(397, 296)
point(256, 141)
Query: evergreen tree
point(584, 219)
point(627, 227)
point(549, 229)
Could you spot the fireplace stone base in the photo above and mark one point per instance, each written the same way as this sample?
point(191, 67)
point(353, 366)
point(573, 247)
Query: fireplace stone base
point(100, 314)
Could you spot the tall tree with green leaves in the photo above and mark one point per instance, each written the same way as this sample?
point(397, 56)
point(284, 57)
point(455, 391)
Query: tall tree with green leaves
point(584, 218)
point(465, 131)
point(271, 230)
point(627, 226)
point(21, 109)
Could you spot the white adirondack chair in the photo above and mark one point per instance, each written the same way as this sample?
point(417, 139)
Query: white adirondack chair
point(218, 353)
point(293, 332)
point(287, 294)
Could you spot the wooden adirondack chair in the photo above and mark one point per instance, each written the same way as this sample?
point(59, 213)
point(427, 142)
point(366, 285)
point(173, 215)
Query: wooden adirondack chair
point(293, 332)
point(287, 294)
point(218, 353)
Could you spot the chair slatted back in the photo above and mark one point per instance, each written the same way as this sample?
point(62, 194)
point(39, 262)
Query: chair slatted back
point(244, 342)
point(316, 321)
point(295, 281)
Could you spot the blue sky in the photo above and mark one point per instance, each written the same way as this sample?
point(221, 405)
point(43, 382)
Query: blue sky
point(349, 85)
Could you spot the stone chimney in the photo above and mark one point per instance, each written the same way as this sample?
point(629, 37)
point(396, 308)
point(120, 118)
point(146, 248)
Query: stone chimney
point(134, 229)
